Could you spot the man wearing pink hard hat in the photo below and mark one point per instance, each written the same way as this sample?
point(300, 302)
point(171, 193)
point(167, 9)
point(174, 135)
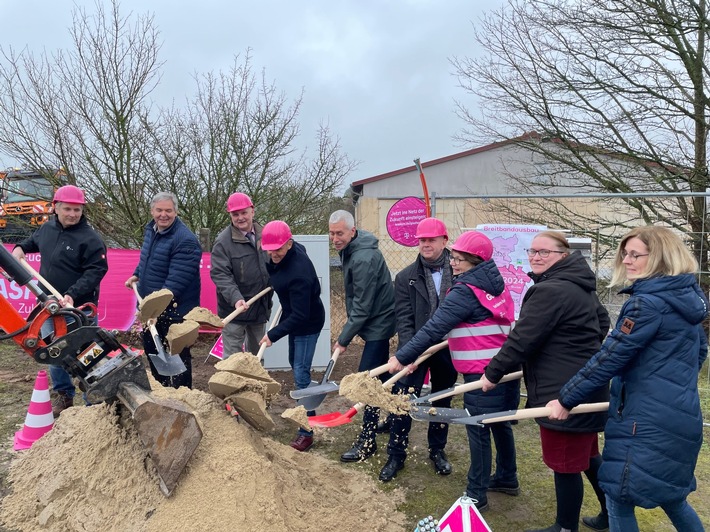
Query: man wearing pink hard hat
point(74, 262)
point(239, 273)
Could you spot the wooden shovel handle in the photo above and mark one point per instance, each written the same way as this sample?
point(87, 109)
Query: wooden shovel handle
point(135, 290)
point(477, 385)
point(241, 309)
point(384, 368)
point(273, 324)
point(41, 279)
point(379, 370)
point(543, 411)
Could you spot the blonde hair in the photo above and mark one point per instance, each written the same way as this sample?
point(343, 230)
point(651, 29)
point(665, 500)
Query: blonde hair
point(558, 237)
point(667, 254)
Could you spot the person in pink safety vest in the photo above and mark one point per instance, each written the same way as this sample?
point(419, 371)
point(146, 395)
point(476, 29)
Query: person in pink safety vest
point(477, 315)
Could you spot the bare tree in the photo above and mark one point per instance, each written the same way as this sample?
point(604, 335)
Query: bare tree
point(616, 94)
point(88, 109)
point(85, 109)
point(238, 134)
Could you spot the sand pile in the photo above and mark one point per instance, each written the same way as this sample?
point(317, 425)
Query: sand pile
point(362, 388)
point(89, 473)
point(204, 317)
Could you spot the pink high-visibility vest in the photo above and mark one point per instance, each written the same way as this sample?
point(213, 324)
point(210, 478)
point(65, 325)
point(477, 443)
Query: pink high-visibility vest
point(472, 345)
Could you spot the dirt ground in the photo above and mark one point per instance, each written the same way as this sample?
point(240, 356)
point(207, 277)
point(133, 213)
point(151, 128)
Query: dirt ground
point(238, 478)
point(311, 491)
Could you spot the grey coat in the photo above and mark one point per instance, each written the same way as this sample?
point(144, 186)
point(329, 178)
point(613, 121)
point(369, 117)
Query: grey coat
point(239, 272)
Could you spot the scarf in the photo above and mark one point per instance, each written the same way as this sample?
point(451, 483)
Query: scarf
point(442, 264)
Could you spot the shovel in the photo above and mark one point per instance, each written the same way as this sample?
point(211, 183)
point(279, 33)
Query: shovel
point(274, 322)
point(423, 410)
point(331, 386)
point(527, 413)
point(334, 386)
point(312, 402)
point(166, 365)
point(335, 419)
point(202, 320)
point(427, 400)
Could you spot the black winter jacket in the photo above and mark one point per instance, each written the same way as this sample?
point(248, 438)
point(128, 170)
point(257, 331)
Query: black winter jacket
point(239, 272)
point(295, 281)
point(562, 325)
point(73, 258)
point(412, 307)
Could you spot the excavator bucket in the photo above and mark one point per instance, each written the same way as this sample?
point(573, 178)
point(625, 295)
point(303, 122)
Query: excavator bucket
point(168, 430)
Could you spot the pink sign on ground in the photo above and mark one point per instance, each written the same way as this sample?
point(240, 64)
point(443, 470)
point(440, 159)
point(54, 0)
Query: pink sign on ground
point(117, 304)
point(403, 218)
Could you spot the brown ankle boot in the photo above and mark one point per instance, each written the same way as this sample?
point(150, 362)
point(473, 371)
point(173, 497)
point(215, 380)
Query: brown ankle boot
point(61, 402)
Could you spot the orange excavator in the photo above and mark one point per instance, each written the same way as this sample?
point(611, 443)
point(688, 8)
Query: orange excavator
point(105, 369)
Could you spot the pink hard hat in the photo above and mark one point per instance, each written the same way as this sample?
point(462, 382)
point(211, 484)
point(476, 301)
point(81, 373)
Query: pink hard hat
point(238, 201)
point(474, 243)
point(274, 235)
point(431, 228)
point(70, 194)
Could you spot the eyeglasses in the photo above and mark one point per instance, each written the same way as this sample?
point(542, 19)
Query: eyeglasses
point(632, 256)
point(457, 260)
point(544, 253)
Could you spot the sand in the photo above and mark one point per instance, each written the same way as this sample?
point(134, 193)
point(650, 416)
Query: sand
point(154, 304)
point(298, 416)
point(90, 473)
point(250, 366)
point(204, 317)
point(182, 335)
point(361, 388)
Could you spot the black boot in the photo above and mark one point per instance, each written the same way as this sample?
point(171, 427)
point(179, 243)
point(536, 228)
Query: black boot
point(599, 522)
point(389, 471)
point(442, 466)
point(361, 450)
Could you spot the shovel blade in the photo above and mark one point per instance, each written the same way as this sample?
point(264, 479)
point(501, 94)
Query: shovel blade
point(312, 402)
point(432, 414)
point(168, 366)
point(334, 419)
point(319, 389)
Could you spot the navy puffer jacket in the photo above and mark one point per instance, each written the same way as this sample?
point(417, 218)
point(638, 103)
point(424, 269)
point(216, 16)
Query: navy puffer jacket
point(655, 427)
point(171, 259)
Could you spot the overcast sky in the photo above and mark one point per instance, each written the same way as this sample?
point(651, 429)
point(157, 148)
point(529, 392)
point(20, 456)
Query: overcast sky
point(376, 71)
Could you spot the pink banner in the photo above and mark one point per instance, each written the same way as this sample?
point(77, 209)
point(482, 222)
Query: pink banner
point(117, 304)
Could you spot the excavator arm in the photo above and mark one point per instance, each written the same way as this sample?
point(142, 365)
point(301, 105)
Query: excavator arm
point(106, 371)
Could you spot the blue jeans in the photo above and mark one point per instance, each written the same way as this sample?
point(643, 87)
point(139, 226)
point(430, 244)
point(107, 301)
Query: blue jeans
point(300, 356)
point(681, 514)
point(502, 397)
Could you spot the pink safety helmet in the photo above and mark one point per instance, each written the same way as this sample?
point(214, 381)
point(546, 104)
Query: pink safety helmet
point(238, 201)
point(274, 235)
point(70, 194)
point(474, 243)
point(431, 228)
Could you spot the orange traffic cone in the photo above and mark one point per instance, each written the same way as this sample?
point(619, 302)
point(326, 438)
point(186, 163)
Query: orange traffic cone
point(39, 419)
